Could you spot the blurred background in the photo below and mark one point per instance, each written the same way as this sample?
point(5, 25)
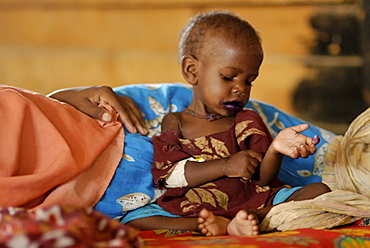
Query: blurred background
point(316, 62)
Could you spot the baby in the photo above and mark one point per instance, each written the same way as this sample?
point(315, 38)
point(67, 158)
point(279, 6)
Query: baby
point(217, 159)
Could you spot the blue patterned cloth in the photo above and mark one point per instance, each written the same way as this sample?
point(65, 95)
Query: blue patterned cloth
point(131, 188)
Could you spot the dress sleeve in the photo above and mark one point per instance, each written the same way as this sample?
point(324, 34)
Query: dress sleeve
point(167, 153)
point(251, 132)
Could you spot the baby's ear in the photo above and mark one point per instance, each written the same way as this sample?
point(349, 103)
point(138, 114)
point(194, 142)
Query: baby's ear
point(189, 69)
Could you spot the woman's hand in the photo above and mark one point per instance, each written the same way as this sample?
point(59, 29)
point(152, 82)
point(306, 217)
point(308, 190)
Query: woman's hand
point(86, 99)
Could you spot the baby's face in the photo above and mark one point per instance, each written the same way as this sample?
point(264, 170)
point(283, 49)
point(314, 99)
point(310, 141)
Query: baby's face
point(226, 71)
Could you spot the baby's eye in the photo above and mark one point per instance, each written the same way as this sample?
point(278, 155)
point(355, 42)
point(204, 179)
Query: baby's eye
point(226, 78)
point(248, 83)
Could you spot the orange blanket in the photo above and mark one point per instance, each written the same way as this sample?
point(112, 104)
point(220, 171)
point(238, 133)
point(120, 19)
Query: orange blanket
point(50, 153)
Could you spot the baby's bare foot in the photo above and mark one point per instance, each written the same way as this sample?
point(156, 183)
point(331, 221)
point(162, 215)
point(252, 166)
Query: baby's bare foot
point(244, 224)
point(211, 225)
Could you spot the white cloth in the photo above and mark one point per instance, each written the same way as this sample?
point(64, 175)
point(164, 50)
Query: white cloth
point(177, 178)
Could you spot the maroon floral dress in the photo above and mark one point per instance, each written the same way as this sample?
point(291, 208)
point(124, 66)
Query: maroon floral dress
point(224, 196)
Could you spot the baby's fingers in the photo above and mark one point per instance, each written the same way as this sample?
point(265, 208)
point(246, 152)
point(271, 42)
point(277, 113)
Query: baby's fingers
point(300, 128)
point(315, 140)
point(255, 155)
point(312, 148)
point(247, 175)
point(304, 152)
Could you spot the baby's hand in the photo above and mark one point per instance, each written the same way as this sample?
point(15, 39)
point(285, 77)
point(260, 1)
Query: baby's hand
point(291, 143)
point(242, 164)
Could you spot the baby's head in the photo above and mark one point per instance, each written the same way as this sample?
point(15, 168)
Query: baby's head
point(220, 55)
point(201, 29)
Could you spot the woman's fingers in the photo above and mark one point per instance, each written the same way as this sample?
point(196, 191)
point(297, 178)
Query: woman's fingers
point(87, 100)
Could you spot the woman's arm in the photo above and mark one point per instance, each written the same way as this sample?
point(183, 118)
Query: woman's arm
point(86, 99)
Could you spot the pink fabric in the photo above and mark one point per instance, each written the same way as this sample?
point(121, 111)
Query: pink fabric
point(50, 153)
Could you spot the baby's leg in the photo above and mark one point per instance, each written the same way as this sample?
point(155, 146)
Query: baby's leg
point(309, 191)
point(211, 225)
point(246, 222)
point(163, 222)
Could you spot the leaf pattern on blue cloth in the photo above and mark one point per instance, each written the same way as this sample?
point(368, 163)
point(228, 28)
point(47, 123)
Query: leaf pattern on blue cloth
point(133, 200)
point(268, 123)
point(128, 157)
point(158, 109)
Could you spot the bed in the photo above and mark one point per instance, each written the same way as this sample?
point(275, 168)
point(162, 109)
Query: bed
point(131, 194)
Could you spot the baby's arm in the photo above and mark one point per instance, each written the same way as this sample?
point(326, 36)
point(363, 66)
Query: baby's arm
point(242, 164)
point(288, 142)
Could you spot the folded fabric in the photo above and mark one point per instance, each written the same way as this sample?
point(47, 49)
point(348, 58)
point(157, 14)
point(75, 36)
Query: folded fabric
point(348, 158)
point(346, 172)
point(332, 209)
point(50, 153)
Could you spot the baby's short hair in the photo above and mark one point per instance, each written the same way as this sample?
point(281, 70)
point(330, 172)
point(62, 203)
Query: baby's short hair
point(192, 36)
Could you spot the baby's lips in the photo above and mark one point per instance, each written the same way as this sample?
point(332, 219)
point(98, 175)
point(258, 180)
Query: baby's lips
point(233, 106)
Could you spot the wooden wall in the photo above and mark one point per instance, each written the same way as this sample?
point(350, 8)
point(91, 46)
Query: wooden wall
point(47, 45)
